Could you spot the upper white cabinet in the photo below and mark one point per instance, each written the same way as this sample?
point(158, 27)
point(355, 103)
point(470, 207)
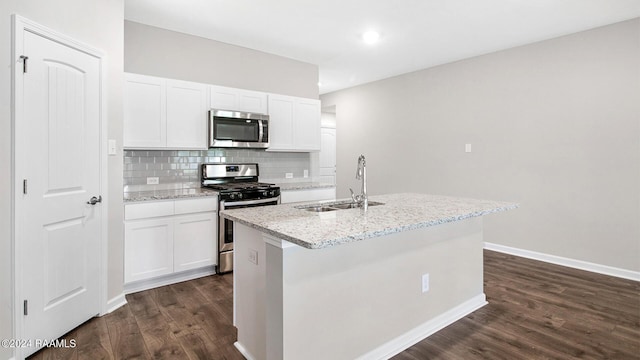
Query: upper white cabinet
point(294, 123)
point(164, 113)
point(187, 107)
point(225, 98)
point(145, 117)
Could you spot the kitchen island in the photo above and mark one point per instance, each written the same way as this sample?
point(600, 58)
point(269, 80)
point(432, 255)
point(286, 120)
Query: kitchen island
point(349, 284)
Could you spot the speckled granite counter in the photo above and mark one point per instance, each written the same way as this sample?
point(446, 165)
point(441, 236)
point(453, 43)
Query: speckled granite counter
point(303, 185)
point(167, 194)
point(400, 212)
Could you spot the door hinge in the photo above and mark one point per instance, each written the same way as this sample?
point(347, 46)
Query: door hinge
point(24, 63)
point(26, 307)
point(24, 186)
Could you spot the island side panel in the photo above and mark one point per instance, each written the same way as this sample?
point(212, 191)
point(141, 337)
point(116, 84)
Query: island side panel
point(364, 299)
point(250, 297)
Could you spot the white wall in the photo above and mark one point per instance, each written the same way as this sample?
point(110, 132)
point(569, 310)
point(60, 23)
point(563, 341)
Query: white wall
point(98, 23)
point(154, 51)
point(553, 125)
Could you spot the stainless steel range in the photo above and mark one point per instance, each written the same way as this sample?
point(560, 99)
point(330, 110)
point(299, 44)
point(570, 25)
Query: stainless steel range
point(238, 187)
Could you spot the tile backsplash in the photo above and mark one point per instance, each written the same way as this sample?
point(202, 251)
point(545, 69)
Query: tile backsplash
point(183, 166)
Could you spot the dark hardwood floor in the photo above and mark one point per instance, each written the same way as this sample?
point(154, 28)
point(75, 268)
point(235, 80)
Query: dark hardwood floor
point(536, 311)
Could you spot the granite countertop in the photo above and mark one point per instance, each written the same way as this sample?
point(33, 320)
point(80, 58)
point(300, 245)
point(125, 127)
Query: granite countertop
point(167, 194)
point(303, 185)
point(400, 212)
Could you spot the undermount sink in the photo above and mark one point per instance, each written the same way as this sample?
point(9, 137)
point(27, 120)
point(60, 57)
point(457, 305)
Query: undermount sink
point(316, 208)
point(339, 205)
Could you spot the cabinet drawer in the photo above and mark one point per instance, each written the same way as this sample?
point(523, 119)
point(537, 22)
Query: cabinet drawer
point(187, 206)
point(148, 210)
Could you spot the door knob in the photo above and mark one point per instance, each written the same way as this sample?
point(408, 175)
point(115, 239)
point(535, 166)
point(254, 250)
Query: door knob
point(94, 200)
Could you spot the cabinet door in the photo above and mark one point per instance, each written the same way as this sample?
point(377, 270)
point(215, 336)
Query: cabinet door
point(226, 98)
point(195, 243)
point(223, 98)
point(186, 115)
point(252, 101)
point(144, 112)
point(148, 249)
point(281, 117)
point(307, 124)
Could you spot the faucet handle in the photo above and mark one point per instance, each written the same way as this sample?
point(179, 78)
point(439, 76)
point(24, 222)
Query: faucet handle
point(355, 198)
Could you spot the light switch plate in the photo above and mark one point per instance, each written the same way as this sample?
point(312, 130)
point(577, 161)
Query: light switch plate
point(288, 175)
point(153, 180)
point(467, 148)
point(425, 283)
point(112, 147)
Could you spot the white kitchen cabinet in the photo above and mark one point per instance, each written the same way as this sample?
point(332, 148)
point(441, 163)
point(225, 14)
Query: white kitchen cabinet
point(164, 113)
point(169, 237)
point(145, 118)
point(187, 108)
point(294, 123)
point(281, 114)
point(148, 249)
point(226, 98)
point(194, 241)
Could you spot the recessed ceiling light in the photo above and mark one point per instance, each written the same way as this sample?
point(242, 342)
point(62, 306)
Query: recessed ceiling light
point(371, 37)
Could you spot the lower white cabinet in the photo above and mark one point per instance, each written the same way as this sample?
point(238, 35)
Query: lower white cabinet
point(194, 241)
point(148, 250)
point(170, 236)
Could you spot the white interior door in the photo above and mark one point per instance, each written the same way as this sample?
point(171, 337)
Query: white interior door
point(58, 154)
point(328, 155)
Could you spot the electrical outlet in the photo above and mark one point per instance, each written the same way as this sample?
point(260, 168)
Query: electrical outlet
point(425, 283)
point(467, 148)
point(153, 180)
point(305, 173)
point(288, 175)
point(253, 256)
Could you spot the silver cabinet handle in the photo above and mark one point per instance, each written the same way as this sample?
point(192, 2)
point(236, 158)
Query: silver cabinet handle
point(94, 200)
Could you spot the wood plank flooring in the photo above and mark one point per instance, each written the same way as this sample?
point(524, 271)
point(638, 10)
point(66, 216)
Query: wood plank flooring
point(536, 311)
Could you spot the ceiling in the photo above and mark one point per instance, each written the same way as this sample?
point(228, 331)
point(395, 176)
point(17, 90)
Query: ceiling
point(414, 34)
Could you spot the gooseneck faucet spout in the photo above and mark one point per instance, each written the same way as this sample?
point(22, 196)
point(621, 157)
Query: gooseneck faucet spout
point(361, 174)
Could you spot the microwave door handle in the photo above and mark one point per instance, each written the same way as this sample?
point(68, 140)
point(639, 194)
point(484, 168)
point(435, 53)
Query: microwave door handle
point(260, 131)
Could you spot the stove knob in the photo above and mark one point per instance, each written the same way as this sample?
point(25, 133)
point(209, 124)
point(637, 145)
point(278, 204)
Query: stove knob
point(273, 193)
point(239, 195)
point(232, 196)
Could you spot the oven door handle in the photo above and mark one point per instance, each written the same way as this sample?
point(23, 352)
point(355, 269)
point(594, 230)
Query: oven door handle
point(227, 205)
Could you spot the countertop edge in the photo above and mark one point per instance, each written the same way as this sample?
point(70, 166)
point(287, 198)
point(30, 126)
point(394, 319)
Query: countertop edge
point(367, 235)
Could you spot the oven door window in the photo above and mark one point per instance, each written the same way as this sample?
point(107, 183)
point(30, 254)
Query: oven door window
point(244, 130)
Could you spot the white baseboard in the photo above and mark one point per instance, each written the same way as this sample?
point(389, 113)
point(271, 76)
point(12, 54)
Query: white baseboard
point(168, 279)
point(247, 355)
point(410, 338)
point(562, 261)
point(115, 303)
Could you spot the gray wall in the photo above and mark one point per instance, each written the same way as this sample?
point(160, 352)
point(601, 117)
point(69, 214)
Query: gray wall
point(153, 51)
point(99, 24)
point(553, 125)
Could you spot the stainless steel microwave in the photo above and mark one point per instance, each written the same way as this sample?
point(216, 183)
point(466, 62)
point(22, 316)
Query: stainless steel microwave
point(237, 129)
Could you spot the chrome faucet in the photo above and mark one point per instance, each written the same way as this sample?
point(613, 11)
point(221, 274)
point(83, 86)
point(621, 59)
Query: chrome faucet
point(361, 174)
